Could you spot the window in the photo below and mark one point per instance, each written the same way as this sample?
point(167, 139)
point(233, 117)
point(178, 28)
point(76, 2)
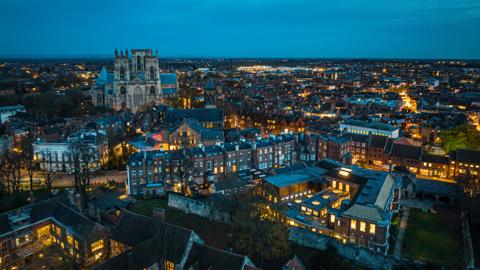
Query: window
point(372, 229)
point(353, 224)
point(122, 90)
point(122, 73)
point(97, 245)
point(152, 90)
point(70, 239)
point(332, 218)
point(152, 73)
point(98, 256)
point(347, 188)
point(340, 186)
point(43, 231)
point(168, 265)
point(362, 226)
point(334, 184)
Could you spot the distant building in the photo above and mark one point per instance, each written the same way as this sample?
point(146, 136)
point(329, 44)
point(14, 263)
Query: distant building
point(7, 111)
point(366, 128)
point(56, 155)
point(134, 83)
point(169, 83)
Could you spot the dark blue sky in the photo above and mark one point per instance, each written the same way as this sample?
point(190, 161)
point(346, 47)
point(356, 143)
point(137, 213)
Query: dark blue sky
point(243, 28)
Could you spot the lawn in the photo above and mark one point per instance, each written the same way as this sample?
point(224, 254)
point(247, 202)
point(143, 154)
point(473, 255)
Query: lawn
point(434, 238)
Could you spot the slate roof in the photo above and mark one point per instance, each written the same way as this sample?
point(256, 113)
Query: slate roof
point(370, 213)
point(378, 141)
point(435, 159)
point(406, 151)
point(468, 156)
point(373, 125)
point(63, 214)
point(147, 234)
point(203, 257)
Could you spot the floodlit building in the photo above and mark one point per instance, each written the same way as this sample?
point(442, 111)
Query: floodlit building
point(134, 83)
point(367, 128)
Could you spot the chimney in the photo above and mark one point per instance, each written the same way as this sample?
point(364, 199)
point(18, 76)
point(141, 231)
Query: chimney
point(237, 147)
point(254, 145)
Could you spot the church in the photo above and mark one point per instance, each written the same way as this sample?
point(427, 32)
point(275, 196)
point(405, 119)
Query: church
point(135, 82)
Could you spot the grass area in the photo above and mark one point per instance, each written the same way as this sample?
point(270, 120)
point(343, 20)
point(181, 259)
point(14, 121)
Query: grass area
point(434, 238)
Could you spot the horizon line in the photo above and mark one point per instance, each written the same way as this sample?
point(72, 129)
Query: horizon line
point(104, 56)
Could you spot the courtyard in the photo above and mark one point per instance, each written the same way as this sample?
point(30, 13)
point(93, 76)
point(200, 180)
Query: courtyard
point(434, 238)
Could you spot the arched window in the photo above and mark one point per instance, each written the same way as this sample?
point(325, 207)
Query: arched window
point(122, 73)
point(139, 63)
point(122, 90)
point(152, 90)
point(152, 73)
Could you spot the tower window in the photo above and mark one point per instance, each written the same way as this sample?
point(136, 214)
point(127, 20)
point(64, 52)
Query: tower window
point(152, 90)
point(122, 73)
point(139, 63)
point(152, 73)
point(122, 90)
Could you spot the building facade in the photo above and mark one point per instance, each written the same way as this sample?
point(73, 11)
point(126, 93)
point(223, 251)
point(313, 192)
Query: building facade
point(134, 83)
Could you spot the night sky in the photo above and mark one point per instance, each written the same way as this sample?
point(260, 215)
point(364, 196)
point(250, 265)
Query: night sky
point(243, 28)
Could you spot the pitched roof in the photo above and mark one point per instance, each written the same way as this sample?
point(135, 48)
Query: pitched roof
point(202, 115)
point(406, 151)
point(370, 213)
point(203, 257)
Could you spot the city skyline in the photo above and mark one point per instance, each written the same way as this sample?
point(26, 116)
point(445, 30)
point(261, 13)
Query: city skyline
point(304, 29)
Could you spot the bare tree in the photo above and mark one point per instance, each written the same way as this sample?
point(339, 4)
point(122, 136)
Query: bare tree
point(82, 155)
point(48, 171)
point(28, 162)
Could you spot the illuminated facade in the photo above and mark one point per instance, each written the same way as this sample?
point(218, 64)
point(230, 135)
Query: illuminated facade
point(134, 83)
point(30, 229)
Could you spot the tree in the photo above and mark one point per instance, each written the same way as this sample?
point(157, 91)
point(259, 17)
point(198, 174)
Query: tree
point(258, 228)
point(48, 171)
point(81, 156)
point(28, 162)
point(471, 188)
point(464, 136)
point(328, 259)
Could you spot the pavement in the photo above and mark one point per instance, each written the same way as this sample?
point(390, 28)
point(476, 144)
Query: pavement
point(68, 180)
point(397, 252)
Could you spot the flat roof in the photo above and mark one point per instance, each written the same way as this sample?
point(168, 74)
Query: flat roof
point(285, 179)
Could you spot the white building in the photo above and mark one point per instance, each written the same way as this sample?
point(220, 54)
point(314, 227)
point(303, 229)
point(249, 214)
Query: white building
point(366, 128)
point(57, 156)
point(7, 111)
point(134, 83)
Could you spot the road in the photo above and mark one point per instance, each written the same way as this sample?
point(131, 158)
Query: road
point(68, 180)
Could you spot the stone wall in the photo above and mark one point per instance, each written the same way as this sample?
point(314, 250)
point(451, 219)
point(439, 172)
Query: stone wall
point(203, 208)
point(359, 256)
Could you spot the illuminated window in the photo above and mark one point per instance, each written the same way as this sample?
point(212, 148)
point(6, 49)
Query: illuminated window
point(70, 240)
point(332, 218)
point(353, 224)
point(98, 256)
point(347, 188)
point(97, 245)
point(168, 265)
point(58, 231)
point(340, 186)
point(362, 226)
point(334, 184)
point(372, 229)
point(43, 231)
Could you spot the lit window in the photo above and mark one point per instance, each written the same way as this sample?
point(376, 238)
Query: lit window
point(97, 245)
point(372, 228)
point(169, 265)
point(98, 256)
point(334, 184)
point(347, 188)
point(70, 239)
point(362, 226)
point(332, 218)
point(353, 224)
